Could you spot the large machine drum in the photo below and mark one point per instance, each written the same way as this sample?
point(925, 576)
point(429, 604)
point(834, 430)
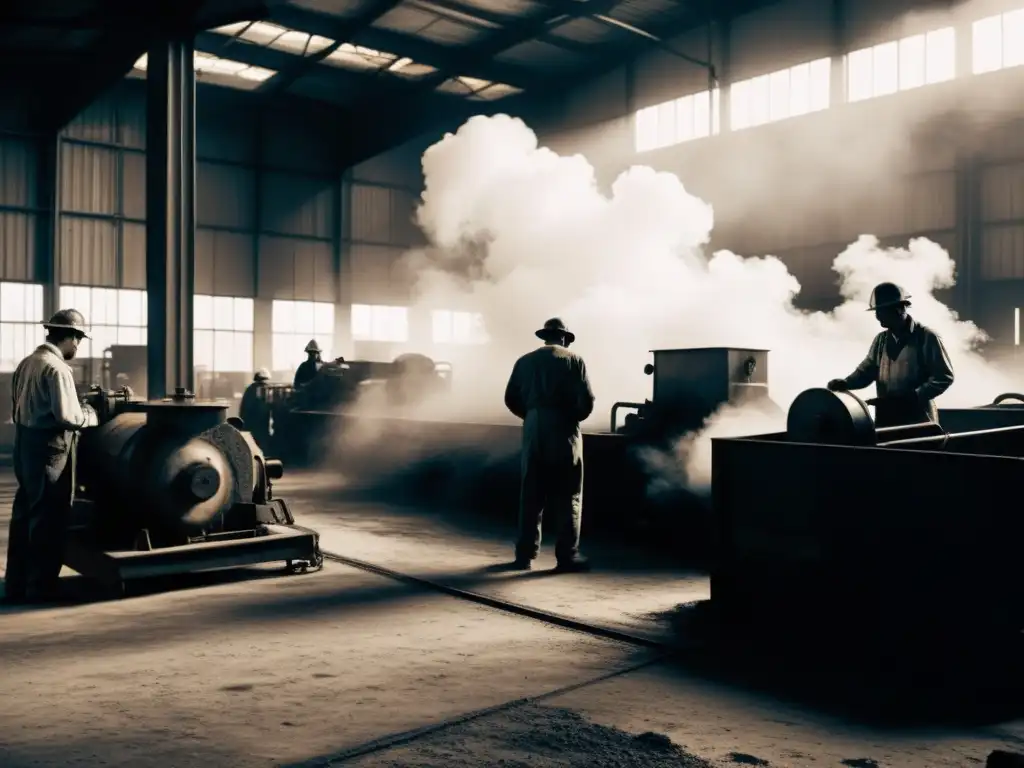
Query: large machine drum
point(189, 480)
point(836, 418)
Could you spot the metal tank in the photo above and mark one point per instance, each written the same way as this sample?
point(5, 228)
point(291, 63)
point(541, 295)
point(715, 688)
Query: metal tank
point(885, 530)
point(691, 384)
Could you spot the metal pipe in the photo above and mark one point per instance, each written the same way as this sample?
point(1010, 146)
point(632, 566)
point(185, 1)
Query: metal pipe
point(951, 437)
point(623, 404)
point(886, 435)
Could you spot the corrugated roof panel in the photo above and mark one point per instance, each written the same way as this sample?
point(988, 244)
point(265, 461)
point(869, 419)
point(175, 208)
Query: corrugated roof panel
point(448, 32)
point(406, 19)
point(536, 54)
point(647, 12)
point(589, 31)
point(513, 8)
point(342, 8)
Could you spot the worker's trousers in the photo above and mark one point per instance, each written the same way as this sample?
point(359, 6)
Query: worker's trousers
point(44, 466)
point(555, 488)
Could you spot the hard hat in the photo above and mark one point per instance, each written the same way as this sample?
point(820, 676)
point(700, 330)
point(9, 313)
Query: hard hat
point(313, 346)
point(262, 375)
point(887, 295)
point(69, 320)
point(555, 327)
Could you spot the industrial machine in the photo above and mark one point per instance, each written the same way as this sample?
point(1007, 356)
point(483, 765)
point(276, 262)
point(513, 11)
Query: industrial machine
point(904, 529)
point(407, 380)
point(690, 385)
point(174, 486)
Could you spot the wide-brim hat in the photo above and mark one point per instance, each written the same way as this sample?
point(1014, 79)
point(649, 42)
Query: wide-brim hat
point(555, 327)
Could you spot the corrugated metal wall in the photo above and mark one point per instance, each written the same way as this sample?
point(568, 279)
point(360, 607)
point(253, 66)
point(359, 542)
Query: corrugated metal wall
point(22, 214)
point(268, 203)
point(381, 196)
point(268, 207)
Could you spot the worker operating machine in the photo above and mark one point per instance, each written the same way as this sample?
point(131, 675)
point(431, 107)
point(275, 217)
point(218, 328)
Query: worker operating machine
point(174, 486)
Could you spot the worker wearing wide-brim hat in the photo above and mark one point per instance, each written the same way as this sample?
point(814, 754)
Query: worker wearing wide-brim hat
point(310, 367)
point(550, 391)
point(907, 362)
point(48, 417)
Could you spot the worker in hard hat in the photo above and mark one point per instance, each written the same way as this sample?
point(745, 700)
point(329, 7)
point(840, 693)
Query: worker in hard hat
point(907, 362)
point(254, 410)
point(549, 390)
point(48, 417)
point(309, 367)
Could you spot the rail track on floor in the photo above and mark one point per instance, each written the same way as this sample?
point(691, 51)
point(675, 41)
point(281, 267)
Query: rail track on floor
point(659, 651)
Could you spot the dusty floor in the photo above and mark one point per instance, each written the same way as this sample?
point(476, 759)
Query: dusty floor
point(296, 670)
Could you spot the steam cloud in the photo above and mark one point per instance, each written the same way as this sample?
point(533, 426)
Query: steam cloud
point(521, 234)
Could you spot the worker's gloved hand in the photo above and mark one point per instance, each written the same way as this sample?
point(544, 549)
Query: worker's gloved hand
point(838, 385)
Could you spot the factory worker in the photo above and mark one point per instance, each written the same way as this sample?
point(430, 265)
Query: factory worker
point(254, 410)
point(550, 392)
point(311, 366)
point(907, 362)
point(47, 416)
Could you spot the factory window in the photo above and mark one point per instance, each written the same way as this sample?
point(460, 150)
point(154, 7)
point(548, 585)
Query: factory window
point(293, 324)
point(998, 42)
point(691, 117)
point(375, 322)
point(787, 93)
point(114, 315)
point(901, 65)
point(453, 327)
point(223, 327)
point(21, 312)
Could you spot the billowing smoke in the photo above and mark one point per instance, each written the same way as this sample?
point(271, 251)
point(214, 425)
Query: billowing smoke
point(521, 234)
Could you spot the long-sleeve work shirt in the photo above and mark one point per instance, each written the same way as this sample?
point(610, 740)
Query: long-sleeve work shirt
point(913, 362)
point(44, 395)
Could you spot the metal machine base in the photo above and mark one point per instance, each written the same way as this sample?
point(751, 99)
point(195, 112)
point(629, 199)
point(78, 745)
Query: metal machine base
point(298, 547)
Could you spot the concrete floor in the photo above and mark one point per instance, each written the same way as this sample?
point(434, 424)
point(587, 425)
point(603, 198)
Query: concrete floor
point(258, 669)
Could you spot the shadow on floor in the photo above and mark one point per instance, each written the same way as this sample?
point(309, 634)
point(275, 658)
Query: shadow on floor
point(869, 677)
point(396, 510)
point(617, 507)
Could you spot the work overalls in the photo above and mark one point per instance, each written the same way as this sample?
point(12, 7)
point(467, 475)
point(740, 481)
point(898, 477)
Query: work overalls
point(44, 466)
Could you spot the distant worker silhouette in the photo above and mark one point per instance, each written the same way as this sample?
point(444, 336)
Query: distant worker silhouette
point(549, 390)
point(254, 410)
point(907, 362)
point(309, 367)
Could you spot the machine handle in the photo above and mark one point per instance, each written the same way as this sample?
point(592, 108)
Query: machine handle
point(1008, 396)
point(615, 411)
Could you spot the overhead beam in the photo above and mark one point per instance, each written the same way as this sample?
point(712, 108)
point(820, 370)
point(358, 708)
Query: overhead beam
point(379, 126)
point(418, 49)
point(478, 17)
point(348, 27)
point(693, 16)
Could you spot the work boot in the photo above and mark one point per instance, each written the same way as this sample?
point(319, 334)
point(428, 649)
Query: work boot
point(574, 564)
point(522, 564)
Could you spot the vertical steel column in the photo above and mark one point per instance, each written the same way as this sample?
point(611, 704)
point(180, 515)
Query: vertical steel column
point(170, 214)
point(48, 248)
point(837, 89)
